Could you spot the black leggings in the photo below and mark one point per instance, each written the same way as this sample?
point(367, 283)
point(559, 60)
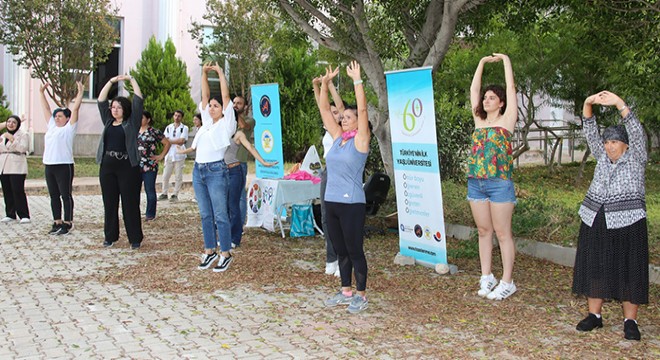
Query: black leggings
point(346, 229)
point(59, 179)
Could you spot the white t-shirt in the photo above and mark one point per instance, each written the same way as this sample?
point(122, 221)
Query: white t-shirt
point(212, 140)
point(173, 132)
point(327, 143)
point(58, 143)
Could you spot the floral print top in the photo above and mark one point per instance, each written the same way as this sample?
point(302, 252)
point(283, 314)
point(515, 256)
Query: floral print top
point(147, 143)
point(491, 154)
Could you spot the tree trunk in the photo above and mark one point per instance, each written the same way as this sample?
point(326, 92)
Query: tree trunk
point(580, 174)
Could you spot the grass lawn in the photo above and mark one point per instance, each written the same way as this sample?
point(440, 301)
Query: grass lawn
point(548, 204)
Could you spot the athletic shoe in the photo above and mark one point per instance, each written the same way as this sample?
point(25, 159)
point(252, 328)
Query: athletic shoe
point(589, 323)
point(25, 221)
point(162, 197)
point(135, 246)
point(339, 299)
point(223, 263)
point(7, 219)
point(147, 218)
point(54, 229)
point(331, 267)
point(486, 284)
point(234, 245)
point(208, 261)
point(108, 244)
point(502, 291)
point(174, 198)
point(64, 229)
point(358, 304)
point(630, 330)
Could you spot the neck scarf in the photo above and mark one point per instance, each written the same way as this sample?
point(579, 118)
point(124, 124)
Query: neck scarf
point(347, 135)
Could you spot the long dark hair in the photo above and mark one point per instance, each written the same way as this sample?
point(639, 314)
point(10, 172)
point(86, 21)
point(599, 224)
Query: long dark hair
point(125, 105)
point(499, 92)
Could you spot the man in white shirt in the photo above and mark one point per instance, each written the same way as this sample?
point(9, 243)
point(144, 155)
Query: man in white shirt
point(177, 134)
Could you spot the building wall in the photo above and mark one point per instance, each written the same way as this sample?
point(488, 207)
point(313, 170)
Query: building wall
point(141, 19)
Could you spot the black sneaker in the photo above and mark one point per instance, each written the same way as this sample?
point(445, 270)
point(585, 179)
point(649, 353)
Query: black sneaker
point(223, 264)
point(174, 198)
point(135, 246)
point(208, 261)
point(108, 244)
point(589, 323)
point(54, 229)
point(64, 229)
point(630, 330)
point(162, 197)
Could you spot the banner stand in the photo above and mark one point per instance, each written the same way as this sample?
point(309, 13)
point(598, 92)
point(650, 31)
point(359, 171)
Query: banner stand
point(416, 168)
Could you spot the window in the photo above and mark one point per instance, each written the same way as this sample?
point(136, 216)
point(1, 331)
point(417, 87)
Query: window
point(105, 71)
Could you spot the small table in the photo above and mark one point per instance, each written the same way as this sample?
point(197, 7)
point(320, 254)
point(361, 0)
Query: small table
point(268, 198)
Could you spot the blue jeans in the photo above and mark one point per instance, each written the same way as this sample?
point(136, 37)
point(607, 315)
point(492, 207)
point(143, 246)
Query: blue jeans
point(236, 188)
point(243, 203)
point(149, 180)
point(211, 184)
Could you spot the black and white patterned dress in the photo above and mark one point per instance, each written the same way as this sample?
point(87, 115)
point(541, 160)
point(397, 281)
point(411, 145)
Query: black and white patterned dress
point(612, 259)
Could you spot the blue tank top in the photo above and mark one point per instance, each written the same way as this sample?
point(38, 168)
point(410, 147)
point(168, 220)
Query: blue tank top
point(345, 165)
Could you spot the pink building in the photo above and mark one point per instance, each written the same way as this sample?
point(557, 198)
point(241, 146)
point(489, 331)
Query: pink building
point(138, 21)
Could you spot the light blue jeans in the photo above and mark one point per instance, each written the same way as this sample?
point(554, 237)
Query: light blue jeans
point(237, 176)
point(244, 195)
point(211, 184)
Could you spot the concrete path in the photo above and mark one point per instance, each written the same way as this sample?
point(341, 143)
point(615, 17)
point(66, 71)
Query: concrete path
point(50, 306)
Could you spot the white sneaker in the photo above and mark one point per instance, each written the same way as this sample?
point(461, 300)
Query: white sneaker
point(502, 291)
point(486, 284)
point(332, 268)
point(7, 219)
point(24, 221)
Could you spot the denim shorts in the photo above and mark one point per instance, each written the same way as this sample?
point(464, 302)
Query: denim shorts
point(493, 190)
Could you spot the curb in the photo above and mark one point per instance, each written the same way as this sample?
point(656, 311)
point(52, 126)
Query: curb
point(557, 254)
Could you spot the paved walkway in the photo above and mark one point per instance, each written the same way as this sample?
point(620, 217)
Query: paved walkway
point(50, 306)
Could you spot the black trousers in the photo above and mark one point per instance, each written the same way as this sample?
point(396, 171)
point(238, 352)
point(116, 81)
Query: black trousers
point(13, 190)
point(121, 180)
point(346, 229)
point(59, 179)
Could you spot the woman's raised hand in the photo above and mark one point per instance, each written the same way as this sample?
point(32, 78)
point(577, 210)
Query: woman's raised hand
point(353, 70)
point(608, 99)
point(489, 59)
point(80, 86)
point(217, 68)
point(207, 67)
point(329, 74)
point(499, 56)
point(317, 80)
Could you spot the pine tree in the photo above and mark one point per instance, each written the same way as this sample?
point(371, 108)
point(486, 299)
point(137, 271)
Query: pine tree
point(164, 82)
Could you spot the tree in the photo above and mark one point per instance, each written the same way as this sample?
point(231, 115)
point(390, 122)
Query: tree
point(4, 106)
point(240, 37)
point(407, 33)
point(292, 63)
point(61, 41)
point(165, 83)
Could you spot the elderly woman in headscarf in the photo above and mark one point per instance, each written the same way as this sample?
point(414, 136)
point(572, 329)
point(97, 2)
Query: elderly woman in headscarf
point(612, 258)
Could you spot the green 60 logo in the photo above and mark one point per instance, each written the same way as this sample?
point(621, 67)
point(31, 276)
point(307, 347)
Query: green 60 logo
point(411, 112)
